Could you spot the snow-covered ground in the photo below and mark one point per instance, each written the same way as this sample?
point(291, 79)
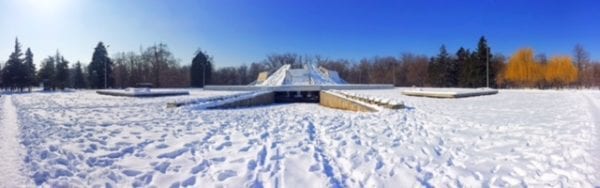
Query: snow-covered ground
point(514, 138)
point(11, 152)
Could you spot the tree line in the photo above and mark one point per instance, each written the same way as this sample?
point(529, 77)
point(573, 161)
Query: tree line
point(464, 68)
point(157, 66)
point(18, 72)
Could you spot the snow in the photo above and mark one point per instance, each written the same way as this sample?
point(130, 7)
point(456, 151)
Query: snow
point(449, 92)
point(277, 77)
point(222, 101)
point(309, 74)
point(12, 151)
point(142, 92)
point(594, 114)
point(515, 138)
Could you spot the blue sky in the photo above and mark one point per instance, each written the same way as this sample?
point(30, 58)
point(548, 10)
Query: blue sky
point(238, 31)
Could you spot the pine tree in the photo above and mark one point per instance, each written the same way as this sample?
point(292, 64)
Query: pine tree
point(452, 71)
point(30, 79)
point(474, 70)
point(12, 71)
point(78, 77)
point(100, 69)
point(1, 77)
point(201, 70)
point(445, 61)
point(46, 73)
point(479, 73)
point(438, 69)
point(62, 72)
point(462, 60)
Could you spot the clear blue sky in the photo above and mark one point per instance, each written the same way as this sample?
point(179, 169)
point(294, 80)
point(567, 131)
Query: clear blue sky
point(238, 31)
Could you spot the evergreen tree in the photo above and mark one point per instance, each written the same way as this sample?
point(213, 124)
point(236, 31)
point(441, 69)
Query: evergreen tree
point(444, 60)
point(30, 79)
point(78, 77)
point(474, 71)
point(201, 70)
point(439, 69)
point(62, 72)
point(46, 73)
point(469, 69)
point(1, 77)
point(100, 69)
point(453, 70)
point(12, 71)
point(462, 57)
point(484, 54)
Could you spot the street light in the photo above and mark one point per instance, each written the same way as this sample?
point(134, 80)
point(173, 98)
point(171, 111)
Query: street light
point(487, 68)
point(106, 70)
point(394, 74)
point(203, 74)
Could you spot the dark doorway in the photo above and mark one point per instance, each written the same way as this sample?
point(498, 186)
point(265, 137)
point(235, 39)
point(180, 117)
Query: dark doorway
point(297, 96)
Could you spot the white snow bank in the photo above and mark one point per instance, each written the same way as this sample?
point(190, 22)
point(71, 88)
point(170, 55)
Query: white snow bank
point(449, 92)
point(142, 92)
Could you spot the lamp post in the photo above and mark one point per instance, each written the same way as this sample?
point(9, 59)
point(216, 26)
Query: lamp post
point(106, 70)
point(105, 75)
point(487, 68)
point(203, 75)
point(394, 74)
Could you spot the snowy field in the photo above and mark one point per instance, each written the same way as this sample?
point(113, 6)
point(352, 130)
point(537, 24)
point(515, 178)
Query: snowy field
point(514, 138)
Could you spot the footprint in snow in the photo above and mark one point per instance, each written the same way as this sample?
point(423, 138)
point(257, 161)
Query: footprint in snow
point(223, 145)
point(200, 167)
point(245, 149)
point(174, 185)
point(223, 175)
point(162, 167)
point(161, 146)
point(251, 165)
point(314, 168)
point(218, 159)
point(131, 173)
point(189, 182)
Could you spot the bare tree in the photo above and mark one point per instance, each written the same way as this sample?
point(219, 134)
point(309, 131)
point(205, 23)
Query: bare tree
point(581, 60)
point(275, 61)
point(415, 67)
point(242, 73)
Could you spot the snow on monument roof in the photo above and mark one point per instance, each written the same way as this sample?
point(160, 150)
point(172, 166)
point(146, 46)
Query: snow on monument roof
point(309, 74)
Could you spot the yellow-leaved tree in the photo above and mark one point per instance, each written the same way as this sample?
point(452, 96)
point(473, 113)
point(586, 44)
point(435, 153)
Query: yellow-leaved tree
point(522, 70)
point(560, 71)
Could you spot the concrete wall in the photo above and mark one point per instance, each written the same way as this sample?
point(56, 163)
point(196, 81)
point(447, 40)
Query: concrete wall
point(259, 100)
point(339, 102)
point(386, 104)
point(297, 87)
point(262, 76)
